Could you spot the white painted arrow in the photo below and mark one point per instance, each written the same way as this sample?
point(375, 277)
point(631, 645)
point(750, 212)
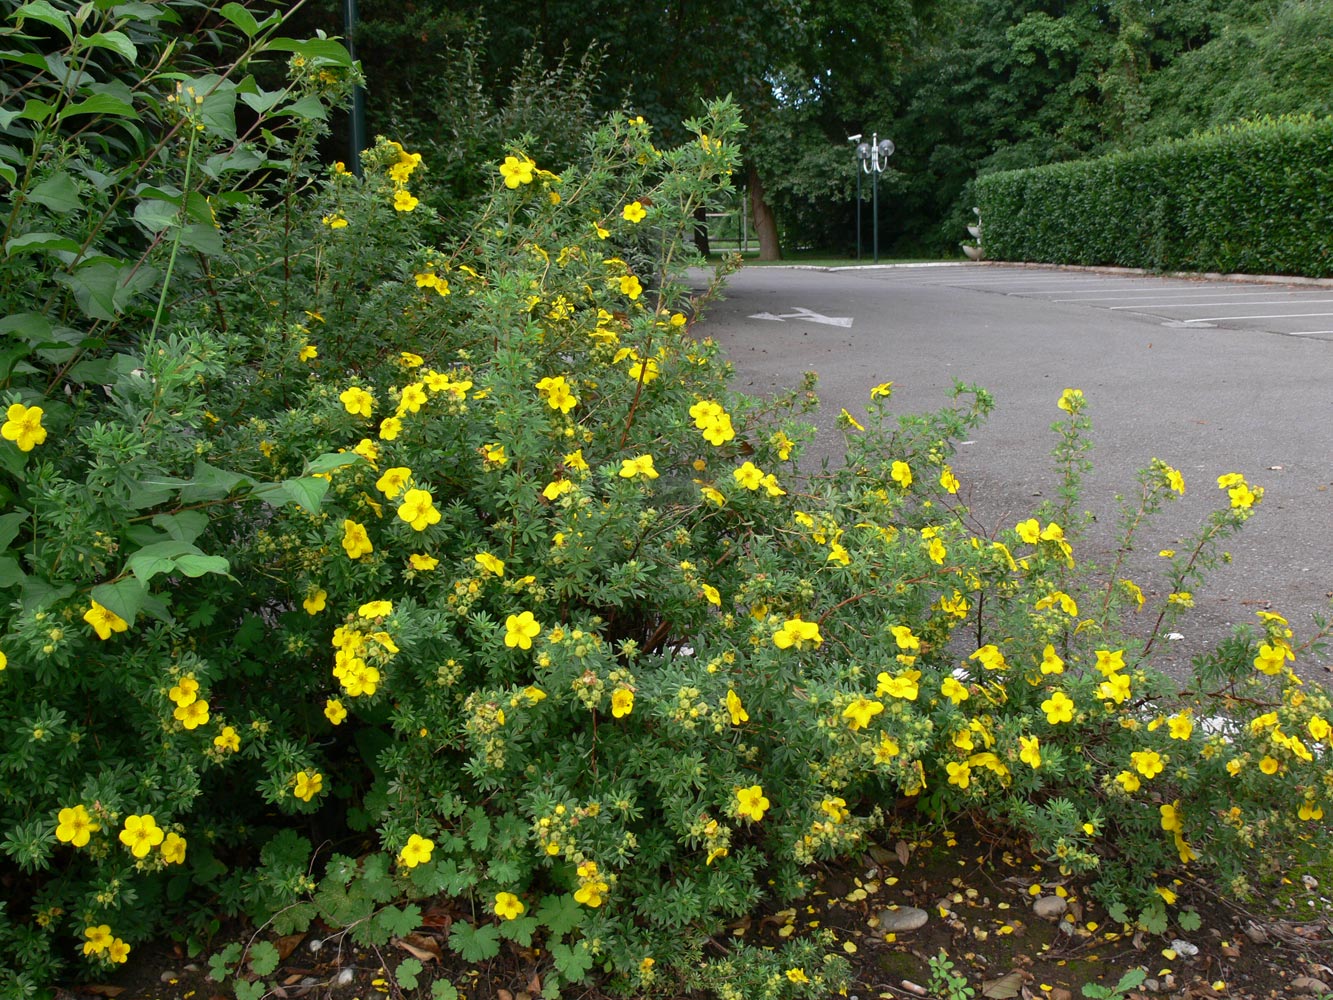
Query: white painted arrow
point(806, 314)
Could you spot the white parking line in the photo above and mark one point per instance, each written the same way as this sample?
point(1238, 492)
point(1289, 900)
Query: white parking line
point(1168, 291)
point(1198, 305)
point(1217, 319)
point(1306, 333)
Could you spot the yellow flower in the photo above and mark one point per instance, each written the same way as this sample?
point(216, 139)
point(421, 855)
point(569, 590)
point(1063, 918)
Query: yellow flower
point(315, 601)
point(1271, 658)
point(1109, 662)
point(1129, 781)
point(1147, 762)
point(306, 785)
point(711, 595)
point(846, 418)
point(521, 629)
point(795, 632)
point(953, 690)
point(948, 480)
point(1310, 811)
point(1182, 726)
point(141, 834)
point(736, 709)
point(1059, 707)
point(641, 465)
point(960, 774)
point(421, 562)
point(1116, 688)
point(357, 401)
point(390, 428)
point(882, 391)
point(749, 476)
point(1071, 400)
point(193, 715)
point(491, 564)
point(556, 392)
point(173, 849)
point(901, 473)
point(557, 489)
point(622, 702)
point(1269, 765)
point(334, 711)
point(23, 426)
point(1050, 661)
point(185, 691)
point(904, 685)
point(99, 939)
point(859, 713)
point(797, 976)
point(516, 170)
point(751, 803)
point(416, 851)
point(630, 287)
point(403, 201)
point(104, 621)
point(990, 657)
point(494, 454)
point(508, 906)
point(227, 739)
point(634, 212)
point(1031, 752)
point(75, 826)
point(412, 398)
point(356, 543)
point(418, 510)
point(334, 221)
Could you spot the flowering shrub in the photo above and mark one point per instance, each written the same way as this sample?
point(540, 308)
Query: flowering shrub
point(461, 555)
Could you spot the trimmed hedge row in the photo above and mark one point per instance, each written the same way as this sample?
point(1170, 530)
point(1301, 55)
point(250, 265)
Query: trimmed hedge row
point(1251, 198)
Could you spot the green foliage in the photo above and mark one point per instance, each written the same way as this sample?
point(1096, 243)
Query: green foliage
point(1130, 980)
point(1249, 198)
point(945, 982)
point(450, 546)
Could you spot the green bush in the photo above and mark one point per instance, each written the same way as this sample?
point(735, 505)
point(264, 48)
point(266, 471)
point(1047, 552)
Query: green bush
point(459, 558)
point(1250, 198)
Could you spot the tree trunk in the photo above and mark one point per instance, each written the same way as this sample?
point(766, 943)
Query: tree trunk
point(765, 226)
point(701, 229)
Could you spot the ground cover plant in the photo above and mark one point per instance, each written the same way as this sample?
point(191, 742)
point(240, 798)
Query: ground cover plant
point(352, 560)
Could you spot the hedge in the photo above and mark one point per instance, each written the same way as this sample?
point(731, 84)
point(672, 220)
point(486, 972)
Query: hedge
point(1256, 197)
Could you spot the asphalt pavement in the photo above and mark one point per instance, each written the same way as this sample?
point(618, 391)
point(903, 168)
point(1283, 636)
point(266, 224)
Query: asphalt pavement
point(1210, 375)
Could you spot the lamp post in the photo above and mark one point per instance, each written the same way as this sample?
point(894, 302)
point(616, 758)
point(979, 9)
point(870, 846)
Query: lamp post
point(872, 157)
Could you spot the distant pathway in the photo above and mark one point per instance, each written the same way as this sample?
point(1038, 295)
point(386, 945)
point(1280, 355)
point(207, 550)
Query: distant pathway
point(1211, 376)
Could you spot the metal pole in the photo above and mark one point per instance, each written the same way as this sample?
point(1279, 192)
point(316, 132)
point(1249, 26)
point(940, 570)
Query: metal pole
point(358, 122)
point(874, 196)
point(857, 168)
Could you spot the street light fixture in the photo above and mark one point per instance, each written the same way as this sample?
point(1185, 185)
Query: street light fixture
point(872, 158)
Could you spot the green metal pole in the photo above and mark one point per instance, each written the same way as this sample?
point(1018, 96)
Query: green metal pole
point(358, 121)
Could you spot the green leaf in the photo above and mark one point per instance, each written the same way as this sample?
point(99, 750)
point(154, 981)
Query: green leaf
point(40, 10)
point(211, 483)
point(36, 111)
point(310, 107)
point(264, 958)
point(11, 574)
point(155, 215)
point(99, 104)
point(201, 565)
point(94, 285)
point(442, 989)
point(559, 914)
point(116, 41)
point(319, 50)
point(407, 972)
point(306, 491)
point(400, 922)
point(33, 242)
point(250, 991)
point(124, 597)
point(184, 526)
point(9, 526)
point(572, 961)
point(240, 17)
point(519, 930)
point(475, 944)
point(330, 461)
point(202, 237)
point(1189, 920)
point(58, 193)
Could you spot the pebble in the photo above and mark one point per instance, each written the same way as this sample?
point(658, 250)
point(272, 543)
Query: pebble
point(169, 976)
point(1184, 948)
point(899, 919)
point(1049, 907)
point(1308, 984)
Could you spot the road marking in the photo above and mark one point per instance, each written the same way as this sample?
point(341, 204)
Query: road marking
point(1199, 305)
point(1306, 333)
point(805, 314)
point(1215, 319)
point(1165, 291)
